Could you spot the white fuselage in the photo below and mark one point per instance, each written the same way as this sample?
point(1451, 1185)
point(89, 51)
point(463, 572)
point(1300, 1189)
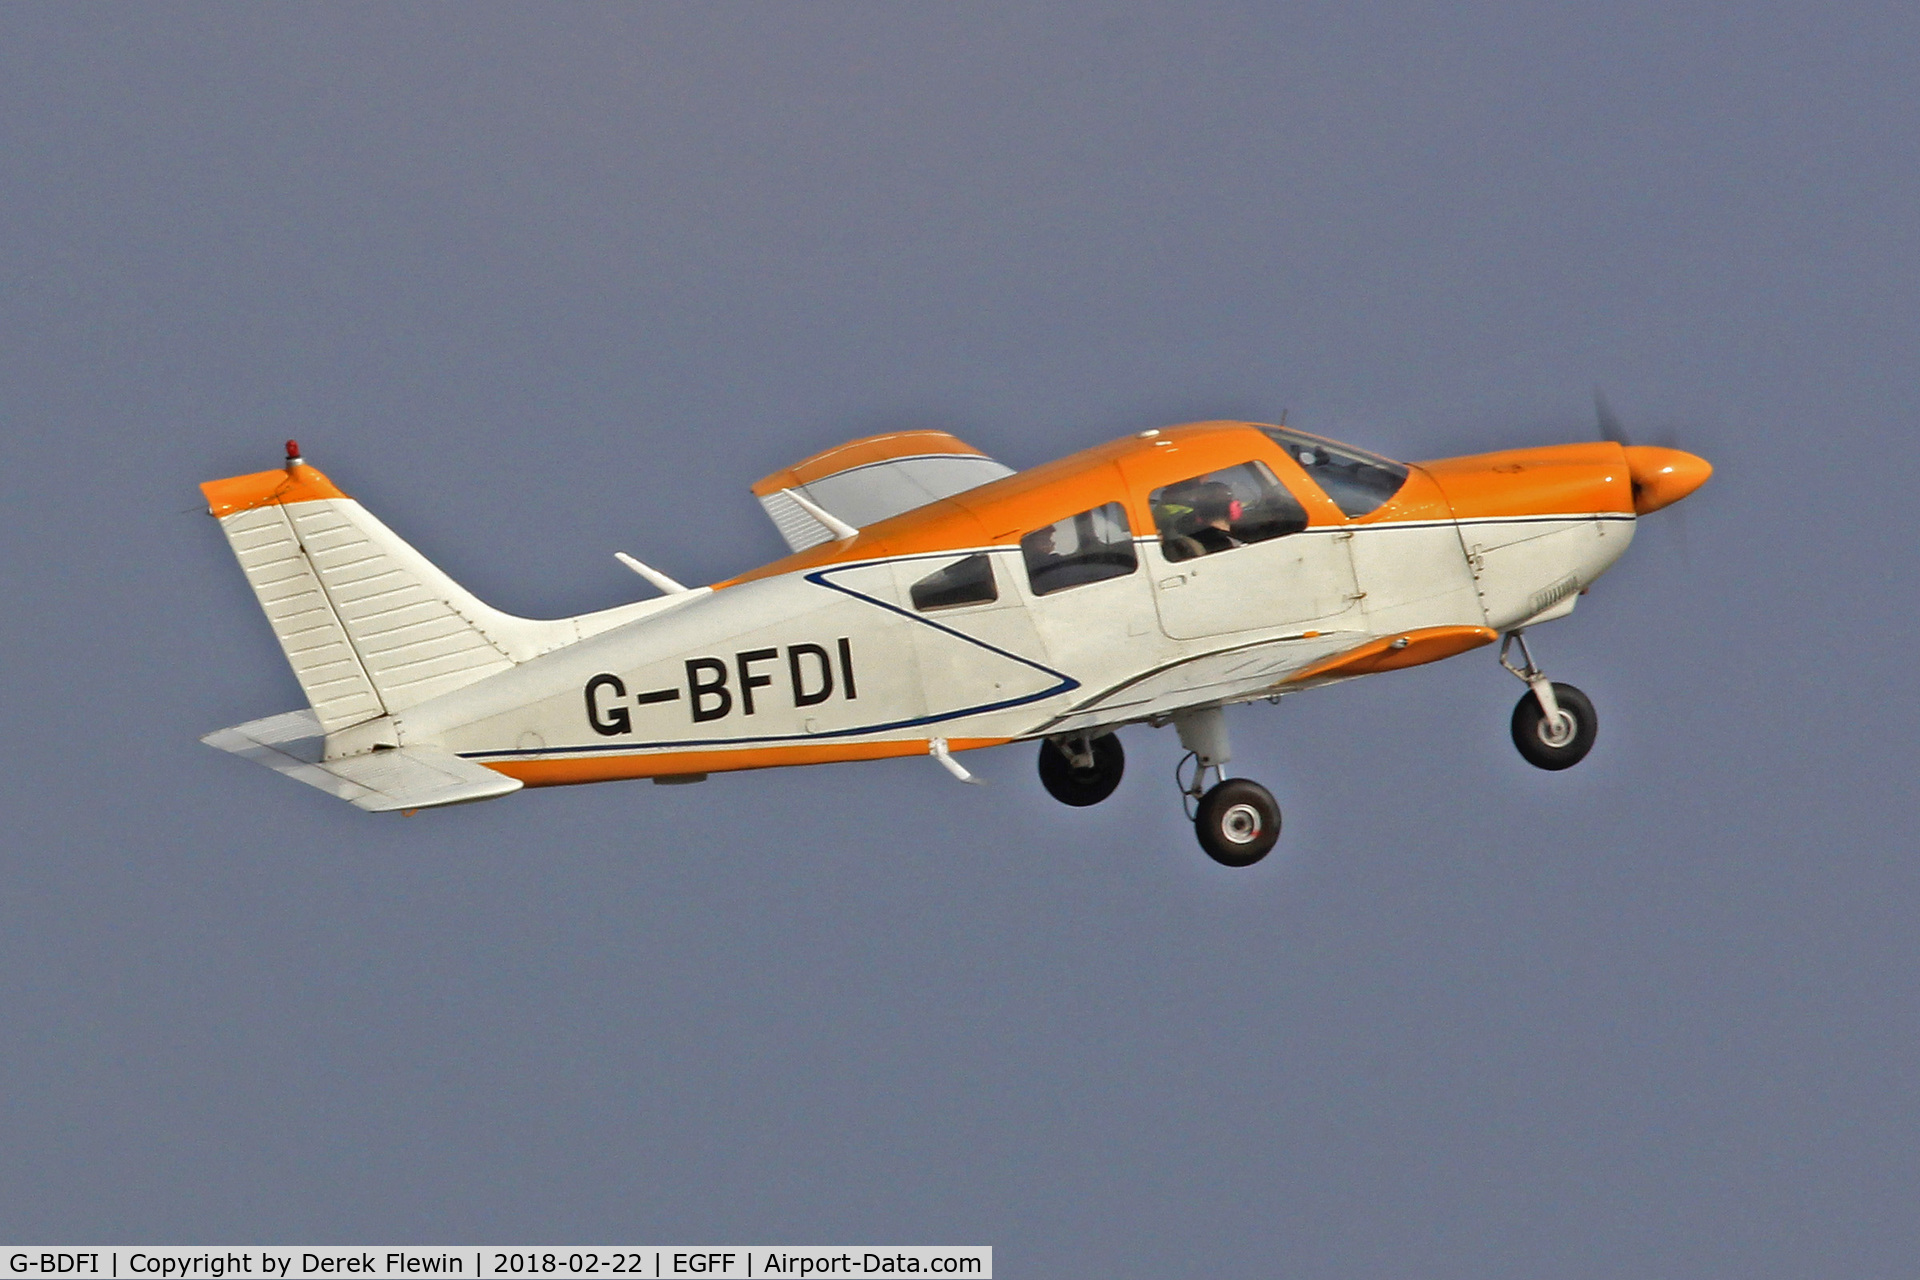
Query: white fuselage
point(838, 654)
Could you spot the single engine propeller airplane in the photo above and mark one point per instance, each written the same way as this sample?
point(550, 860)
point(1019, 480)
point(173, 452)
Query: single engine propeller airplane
point(936, 602)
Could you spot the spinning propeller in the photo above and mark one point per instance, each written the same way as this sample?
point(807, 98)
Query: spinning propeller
point(1662, 474)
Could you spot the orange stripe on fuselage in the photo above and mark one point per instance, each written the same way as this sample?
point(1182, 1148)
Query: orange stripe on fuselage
point(564, 772)
point(1565, 479)
point(298, 483)
point(859, 453)
point(1427, 644)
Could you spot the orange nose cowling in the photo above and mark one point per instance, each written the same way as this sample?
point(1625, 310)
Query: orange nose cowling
point(1661, 477)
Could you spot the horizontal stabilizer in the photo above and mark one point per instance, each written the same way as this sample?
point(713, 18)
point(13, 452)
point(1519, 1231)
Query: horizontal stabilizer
point(379, 782)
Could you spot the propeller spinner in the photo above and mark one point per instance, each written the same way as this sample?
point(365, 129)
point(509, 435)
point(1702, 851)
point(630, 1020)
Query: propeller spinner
point(1661, 474)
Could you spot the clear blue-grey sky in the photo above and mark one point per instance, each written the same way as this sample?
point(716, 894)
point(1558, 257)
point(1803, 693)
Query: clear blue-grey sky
point(538, 283)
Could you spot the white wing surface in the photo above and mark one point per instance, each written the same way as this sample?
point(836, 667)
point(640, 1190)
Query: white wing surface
point(865, 481)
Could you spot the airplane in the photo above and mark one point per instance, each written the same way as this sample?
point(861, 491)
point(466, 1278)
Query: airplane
point(936, 602)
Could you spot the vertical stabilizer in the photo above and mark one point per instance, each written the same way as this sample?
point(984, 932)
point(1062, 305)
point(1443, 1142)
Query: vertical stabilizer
point(370, 625)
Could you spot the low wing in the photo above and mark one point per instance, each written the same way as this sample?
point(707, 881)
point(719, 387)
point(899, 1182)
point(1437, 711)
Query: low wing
point(865, 481)
point(1264, 669)
point(380, 781)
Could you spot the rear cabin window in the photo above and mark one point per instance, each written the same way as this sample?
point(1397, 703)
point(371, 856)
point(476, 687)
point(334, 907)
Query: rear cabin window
point(968, 581)
point(1222, 510)
point(1359, 482)
point(1090, 547)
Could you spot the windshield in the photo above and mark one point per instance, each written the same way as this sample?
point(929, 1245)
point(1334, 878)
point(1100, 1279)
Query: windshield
point(1358, 482)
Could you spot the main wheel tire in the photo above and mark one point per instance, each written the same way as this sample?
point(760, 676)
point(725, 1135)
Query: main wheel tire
point(1082, 787)
point(1555, 746)
point(1237, 823)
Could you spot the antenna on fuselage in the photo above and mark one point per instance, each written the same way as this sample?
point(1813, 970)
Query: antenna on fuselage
point(651, 574)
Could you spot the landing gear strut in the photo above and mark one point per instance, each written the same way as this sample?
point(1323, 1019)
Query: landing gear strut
point(1236, 819)
point(1553, 724)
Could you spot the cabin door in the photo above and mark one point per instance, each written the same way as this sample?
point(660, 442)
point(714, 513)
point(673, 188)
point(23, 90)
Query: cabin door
point(1300, 582)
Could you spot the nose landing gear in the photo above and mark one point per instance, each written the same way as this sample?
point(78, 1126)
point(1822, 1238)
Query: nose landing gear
point(1553, 724)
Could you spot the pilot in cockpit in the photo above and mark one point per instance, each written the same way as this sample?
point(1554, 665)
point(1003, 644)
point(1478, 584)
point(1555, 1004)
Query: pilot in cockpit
point(1198, 520)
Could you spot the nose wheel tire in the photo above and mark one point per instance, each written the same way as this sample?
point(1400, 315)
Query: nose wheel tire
point(1237, 822)
point(1082, 787)
point(1562, 744)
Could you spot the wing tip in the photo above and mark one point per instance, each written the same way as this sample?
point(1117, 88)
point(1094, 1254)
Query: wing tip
point(916, 443)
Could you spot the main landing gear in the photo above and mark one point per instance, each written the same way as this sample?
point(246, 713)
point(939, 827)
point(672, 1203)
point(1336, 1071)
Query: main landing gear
point(1081, 770)
point(1553, 724)
point(1236, 819)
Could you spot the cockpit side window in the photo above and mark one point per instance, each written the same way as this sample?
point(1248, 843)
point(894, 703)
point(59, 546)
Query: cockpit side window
point(968, 581)
point(1359, 483)
point(1224, 509)
point(1089, 547)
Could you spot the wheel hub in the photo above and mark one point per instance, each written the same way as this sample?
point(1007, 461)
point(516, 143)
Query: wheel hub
point(1241, 824)
point(1559, 732)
